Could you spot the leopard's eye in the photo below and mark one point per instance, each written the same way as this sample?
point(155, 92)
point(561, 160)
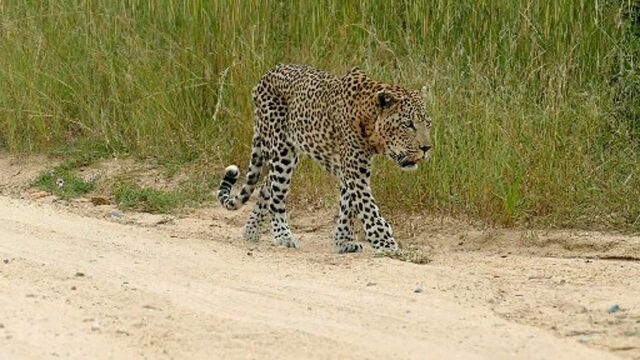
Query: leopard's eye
point(410, 125)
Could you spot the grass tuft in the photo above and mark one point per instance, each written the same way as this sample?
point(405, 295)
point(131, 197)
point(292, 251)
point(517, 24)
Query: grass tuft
point(63, 183)
point(131, 196)
point(135, 197)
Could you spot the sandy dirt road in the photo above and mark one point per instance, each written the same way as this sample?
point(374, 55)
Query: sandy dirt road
point(73, 286)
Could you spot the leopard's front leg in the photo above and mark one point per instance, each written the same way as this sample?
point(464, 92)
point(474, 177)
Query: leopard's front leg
point(377, 230)
point(345, 241)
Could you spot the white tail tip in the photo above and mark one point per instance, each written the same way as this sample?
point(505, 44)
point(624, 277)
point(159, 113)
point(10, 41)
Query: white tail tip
point(232, 169)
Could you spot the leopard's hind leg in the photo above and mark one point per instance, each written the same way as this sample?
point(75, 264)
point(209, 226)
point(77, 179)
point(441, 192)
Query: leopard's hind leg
point(253, 228)
point(284, 159)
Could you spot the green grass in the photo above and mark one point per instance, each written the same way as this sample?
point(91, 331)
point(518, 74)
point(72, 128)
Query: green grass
point(535, 103)
point(63, 180)
point(131, 196)
point(63, 183)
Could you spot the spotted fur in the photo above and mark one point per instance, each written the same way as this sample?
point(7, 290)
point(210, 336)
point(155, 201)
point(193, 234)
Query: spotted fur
point(341, 122)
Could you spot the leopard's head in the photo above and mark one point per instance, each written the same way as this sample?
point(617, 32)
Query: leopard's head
point(402, 127)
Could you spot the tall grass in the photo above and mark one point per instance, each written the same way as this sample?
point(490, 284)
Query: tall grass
point(535, 103)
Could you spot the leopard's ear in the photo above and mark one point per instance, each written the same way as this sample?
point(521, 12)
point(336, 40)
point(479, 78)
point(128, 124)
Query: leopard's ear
point(425, 91)
point(385, 99)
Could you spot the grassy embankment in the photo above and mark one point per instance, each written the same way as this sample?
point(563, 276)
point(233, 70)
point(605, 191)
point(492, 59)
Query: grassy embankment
point(535, 104)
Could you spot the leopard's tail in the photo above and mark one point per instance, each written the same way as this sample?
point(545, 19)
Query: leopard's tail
point(232, 173)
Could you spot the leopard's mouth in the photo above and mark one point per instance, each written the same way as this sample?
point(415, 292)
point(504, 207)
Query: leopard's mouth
point(405, 162)
point(408, 165)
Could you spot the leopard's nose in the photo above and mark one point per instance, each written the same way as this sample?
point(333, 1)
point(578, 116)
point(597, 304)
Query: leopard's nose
point(425, 148)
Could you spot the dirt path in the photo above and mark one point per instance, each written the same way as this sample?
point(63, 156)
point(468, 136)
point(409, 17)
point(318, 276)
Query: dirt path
point(84, 281)
point(74, 286)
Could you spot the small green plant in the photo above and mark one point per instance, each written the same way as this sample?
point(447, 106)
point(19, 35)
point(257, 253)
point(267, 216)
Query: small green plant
point(136, 197)
point(63, 183)
point(62, 180)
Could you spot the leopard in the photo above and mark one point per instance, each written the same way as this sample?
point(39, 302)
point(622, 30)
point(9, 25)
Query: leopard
point(342, 123)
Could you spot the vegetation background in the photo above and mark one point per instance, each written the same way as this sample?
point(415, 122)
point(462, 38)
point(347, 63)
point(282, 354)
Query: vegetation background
point(536, 104)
